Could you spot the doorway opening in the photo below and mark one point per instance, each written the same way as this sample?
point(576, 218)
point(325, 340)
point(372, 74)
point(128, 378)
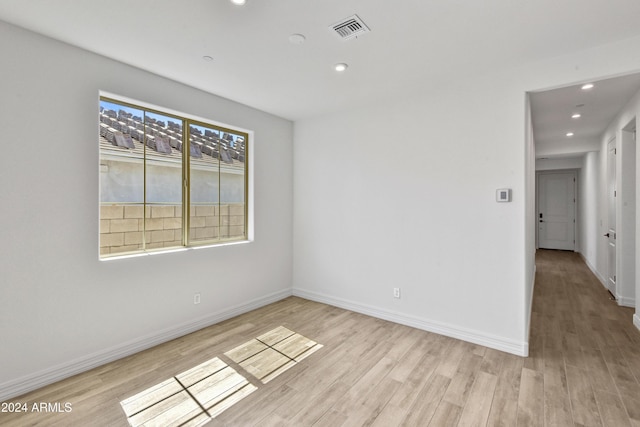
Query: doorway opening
point(593, 134)
point(556, 213)
point(612, 238)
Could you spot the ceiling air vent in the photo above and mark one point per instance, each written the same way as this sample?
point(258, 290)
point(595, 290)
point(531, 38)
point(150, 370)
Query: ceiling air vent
point(350, 27)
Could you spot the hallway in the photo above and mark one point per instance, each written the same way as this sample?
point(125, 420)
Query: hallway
point(584, 349)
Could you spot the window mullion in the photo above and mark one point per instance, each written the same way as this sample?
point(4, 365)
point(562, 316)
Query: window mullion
point(186, 187)
point(219, 194)
point(144, 181)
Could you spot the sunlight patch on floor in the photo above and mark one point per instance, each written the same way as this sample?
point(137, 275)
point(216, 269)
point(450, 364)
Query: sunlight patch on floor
point(272, 353)
point(194, 397)
point(191, 398)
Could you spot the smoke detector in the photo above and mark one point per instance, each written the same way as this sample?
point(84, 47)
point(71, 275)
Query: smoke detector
point(349, 28)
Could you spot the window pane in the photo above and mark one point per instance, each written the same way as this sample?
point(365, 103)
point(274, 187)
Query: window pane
point(163, 181)
point(204, 183)
point(143, 182)
point(121, 178)
point(232, 186)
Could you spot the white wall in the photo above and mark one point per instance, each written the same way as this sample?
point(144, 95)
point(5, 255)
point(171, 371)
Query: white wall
point(402, 194)
point(61, 309)
point(381, 204)
point(627, 206)
point(568, 147)
point(559, 163)
point(590, 214)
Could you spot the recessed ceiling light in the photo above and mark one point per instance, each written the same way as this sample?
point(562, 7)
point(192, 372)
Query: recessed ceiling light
point(207, 58)
point(341, 67)
point(569, 134)
point(297, 38)
point(239, 2)
point(587, 86)
point(576, 116)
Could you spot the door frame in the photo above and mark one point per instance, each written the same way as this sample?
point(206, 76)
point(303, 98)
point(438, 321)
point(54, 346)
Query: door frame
point(626, 215)
point(612, 214)
point(576, 227)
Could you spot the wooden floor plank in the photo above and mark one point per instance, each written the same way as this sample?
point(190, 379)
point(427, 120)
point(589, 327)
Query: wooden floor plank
point(403, 399)
point(599, 374)
point(309, 414)
point(476, 410)
point(557, 403)
point(492, 362)
point(361, 389)
point(427, 401)
point(504, 406)
point(447, 414)
point(448, 366)
point(583, 401)
point(331, 419)
point(460, 386)
point(531, 398)
point(612, 410)
point(366, 410)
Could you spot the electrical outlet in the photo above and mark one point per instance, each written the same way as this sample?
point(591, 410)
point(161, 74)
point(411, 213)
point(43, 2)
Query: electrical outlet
point(396, 292)
point(196, 298)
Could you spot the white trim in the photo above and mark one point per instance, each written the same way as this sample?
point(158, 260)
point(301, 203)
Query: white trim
point(636, 321)
point(473, 336)
point(533, 286)
point(626, 302)
point(621, 300)
point(48, 376)
point(594, 271)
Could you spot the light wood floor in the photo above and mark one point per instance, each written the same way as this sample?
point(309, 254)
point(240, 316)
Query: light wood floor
point(584, 368)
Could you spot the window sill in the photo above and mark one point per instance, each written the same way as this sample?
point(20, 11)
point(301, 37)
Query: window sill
point(171, 250)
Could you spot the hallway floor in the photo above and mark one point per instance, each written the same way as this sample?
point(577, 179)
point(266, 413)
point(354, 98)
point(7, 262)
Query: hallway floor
point(584, 348)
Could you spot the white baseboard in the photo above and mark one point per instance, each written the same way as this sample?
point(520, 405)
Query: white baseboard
point(623, 301)
point(48, 376)
point(533, 286)
point(464, 334)
point(594, 271)
point(626, 302)
point(636, 321)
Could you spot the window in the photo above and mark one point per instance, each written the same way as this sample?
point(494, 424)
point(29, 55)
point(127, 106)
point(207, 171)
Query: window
point(168, 181)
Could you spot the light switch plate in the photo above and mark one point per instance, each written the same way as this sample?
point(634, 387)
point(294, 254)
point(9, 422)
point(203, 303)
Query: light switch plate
point(503, 195)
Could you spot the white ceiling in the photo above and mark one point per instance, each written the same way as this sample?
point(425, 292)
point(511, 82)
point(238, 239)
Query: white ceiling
point(552, 110)
point(413, 45)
